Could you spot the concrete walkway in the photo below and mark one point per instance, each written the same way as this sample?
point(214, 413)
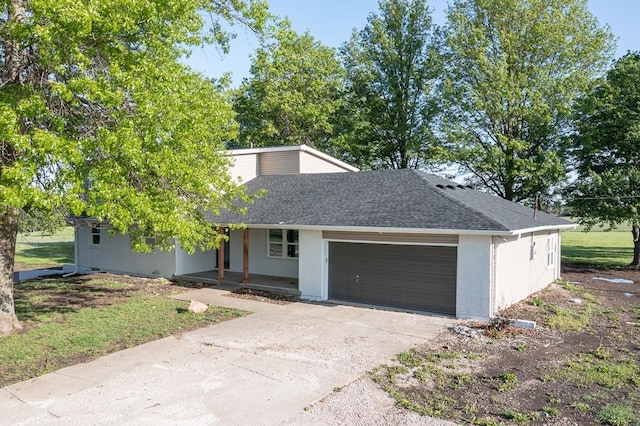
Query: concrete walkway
point(260, 369)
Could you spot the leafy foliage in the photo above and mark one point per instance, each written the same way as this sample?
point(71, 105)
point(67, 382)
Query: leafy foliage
point(605, 148)
point(513, 69)
point(99, 118)
point(390, 101)
point(292, 94)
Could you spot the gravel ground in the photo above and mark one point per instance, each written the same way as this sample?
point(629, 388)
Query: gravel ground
point(361, 403)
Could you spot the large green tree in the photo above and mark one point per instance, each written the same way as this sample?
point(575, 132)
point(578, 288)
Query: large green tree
point(292, 93)
point(513, 70)
point(98, 117)
point(606, 148)
point(390, 105)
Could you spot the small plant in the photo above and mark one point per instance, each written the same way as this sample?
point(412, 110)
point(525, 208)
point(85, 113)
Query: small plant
point(460, 380)
point(547, 378)
point(338, 389)
point(551, 411)
point(520, 347)
point(410, 359)
point(553, 399)
point(485, 421)
point(617, 415)
point(498, 324)
point(580, 406)
point(518, 417)
point(469, 409)
point(601, 353)
point(536, 301)
point(509, 381)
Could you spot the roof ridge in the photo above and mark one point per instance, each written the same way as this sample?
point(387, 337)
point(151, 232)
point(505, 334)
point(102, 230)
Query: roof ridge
point(424, 176)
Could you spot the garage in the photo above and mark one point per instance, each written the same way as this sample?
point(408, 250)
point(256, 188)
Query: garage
point(415, 277)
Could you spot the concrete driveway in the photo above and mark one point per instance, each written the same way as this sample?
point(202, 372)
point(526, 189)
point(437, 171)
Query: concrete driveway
point(260, 369)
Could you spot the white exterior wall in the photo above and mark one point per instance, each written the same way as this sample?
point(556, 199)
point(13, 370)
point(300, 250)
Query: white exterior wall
point(245, 167)
point(310, 163)
point(311, 276)
point(473, 293)
point(522, 270)
point(114, 254)
point(198, 261)
point(259, 263)
point(235, 250)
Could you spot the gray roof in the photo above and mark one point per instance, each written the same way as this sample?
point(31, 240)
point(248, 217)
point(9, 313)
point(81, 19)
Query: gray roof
point(383, 199)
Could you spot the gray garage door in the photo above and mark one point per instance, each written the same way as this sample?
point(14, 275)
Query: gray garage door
point(402, 276)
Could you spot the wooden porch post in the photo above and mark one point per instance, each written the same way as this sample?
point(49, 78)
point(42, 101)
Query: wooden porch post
point(221, 255)
point(245, 255)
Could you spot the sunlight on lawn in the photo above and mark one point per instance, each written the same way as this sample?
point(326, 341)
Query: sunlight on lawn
point(598, 247)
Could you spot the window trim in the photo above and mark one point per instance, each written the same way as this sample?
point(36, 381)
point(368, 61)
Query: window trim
point(285, 244)
point(552, 250)
point(95, 235)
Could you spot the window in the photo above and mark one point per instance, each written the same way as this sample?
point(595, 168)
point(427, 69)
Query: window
point(95, 235)
point(283, 243)
point(552, 247)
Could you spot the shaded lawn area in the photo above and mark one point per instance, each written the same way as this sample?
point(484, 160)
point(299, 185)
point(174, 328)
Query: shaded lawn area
point(67, 321)
point(598, 248)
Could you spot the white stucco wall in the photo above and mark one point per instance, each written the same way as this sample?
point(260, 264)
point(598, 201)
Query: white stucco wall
point(198, 261)
point(114, 254)
point(311, 277)
point(473, 294)
point(259, 263)
point(522, 269)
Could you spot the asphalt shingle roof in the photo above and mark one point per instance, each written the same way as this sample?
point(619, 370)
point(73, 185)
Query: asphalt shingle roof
point(383, 199)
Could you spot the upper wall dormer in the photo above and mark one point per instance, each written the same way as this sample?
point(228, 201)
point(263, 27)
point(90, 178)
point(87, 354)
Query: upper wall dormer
point(252, 162)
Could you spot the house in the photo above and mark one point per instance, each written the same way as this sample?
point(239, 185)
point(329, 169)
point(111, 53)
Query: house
point(398, 238)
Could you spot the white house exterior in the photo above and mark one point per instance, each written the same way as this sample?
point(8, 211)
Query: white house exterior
point(399, 238)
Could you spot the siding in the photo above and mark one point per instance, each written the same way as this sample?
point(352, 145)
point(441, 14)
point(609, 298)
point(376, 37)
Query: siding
point(114, 254)
point(391, 237)
point(245, 167)
point(259, 263)
point(310, 163)
point(279, 163)
point(522, 270)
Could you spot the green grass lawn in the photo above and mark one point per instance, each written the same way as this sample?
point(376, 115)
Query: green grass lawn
point(598, 248)
point(67, 321)
point(37, 249)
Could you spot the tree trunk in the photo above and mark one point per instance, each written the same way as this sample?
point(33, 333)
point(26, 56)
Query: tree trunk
point(8, 235)
point(635, 230)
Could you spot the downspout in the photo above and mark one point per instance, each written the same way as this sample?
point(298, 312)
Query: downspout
point(494, 277)
point(75, 252)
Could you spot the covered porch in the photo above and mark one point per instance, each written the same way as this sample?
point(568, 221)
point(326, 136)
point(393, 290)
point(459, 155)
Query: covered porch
point(234, 280)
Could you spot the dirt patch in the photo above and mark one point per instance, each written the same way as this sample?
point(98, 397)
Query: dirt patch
point(262, 296)
point(579, 366)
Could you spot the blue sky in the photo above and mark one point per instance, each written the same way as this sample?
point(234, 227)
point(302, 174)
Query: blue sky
point(332, 21)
